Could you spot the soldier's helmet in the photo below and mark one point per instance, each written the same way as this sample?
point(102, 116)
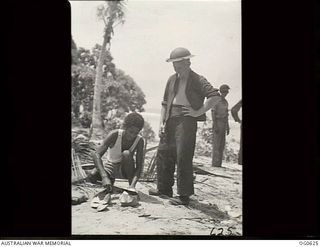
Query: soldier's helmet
point(179, 54)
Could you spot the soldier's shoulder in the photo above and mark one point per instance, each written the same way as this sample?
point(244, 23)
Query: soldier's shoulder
point(201, 78)
point(172, 78)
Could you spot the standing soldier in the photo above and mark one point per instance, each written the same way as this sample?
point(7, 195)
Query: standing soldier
point(183, 105)
point(220, 126)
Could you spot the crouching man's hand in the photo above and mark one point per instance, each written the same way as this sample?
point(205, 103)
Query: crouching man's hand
point(106, 182)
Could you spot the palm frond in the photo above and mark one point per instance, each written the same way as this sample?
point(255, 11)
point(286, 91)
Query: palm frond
point(112, 11)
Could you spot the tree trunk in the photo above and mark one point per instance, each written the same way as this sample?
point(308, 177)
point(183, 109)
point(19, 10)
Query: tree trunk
point(98, 131)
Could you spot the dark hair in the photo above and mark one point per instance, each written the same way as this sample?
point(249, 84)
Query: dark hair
point(133, 119)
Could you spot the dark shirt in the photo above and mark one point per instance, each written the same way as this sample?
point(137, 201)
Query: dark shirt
point(197, 89)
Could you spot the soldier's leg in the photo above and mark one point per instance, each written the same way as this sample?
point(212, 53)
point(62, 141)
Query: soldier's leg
point(165, 162)
point(185, 143)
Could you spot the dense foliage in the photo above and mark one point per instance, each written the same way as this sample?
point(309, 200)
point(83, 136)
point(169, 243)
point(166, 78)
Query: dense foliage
point(120, 93)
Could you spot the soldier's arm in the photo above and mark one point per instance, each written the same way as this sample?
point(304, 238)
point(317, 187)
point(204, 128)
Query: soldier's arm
point(209, 104)
point(212, 99)
point(212, 95)
point(163, 109)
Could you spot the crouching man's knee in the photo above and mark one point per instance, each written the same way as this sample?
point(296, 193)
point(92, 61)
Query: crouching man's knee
point(126, 155)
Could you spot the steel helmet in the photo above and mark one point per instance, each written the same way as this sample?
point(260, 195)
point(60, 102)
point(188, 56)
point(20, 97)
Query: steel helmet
point(179, 54)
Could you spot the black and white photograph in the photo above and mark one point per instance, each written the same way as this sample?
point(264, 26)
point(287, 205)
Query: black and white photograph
point(156, 110)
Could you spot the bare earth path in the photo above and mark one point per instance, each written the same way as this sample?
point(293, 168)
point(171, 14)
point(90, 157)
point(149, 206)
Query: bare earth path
point(217, 203)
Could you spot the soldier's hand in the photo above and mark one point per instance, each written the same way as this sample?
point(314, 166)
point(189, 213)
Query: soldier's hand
point(161, 131)
point(188, 111)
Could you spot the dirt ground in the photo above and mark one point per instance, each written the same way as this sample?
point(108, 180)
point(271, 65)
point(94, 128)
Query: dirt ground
point(215, 209)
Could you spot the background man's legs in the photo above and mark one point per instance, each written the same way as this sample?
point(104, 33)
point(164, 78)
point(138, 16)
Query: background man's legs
point(218, 143)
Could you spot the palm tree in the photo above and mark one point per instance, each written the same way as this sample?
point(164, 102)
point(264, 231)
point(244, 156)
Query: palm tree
point(112, 14)
point(74, 57)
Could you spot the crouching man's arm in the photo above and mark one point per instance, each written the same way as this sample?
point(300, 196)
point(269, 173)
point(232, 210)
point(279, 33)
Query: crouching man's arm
point(97, 155)
point(139, 163)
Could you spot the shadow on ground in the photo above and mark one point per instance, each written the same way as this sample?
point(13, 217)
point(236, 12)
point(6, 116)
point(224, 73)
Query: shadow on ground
point(210, 210)
point(148, 199)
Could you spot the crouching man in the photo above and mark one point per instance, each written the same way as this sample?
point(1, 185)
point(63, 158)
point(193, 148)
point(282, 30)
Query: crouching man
point(121, 145)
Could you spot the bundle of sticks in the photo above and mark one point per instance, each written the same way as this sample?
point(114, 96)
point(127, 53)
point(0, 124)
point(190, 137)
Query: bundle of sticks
point(78, 174)
point(84, 149)
point(149, 173)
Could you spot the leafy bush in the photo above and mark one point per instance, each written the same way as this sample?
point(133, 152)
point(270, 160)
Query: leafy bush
point(230, 154)
point(114, 123)
point(75, 121)
point(147, 132)
point(85, 119)
point(119, 90)
point(203, 148)
point(205, 132)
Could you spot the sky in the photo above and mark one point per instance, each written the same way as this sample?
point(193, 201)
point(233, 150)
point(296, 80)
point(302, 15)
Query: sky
point(211, 30)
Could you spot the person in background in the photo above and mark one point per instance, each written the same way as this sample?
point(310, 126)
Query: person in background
point(220, 126)
point(234, 112)
point(183, 105)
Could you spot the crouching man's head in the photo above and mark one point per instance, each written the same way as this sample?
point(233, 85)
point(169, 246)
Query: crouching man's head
point(132, 125)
